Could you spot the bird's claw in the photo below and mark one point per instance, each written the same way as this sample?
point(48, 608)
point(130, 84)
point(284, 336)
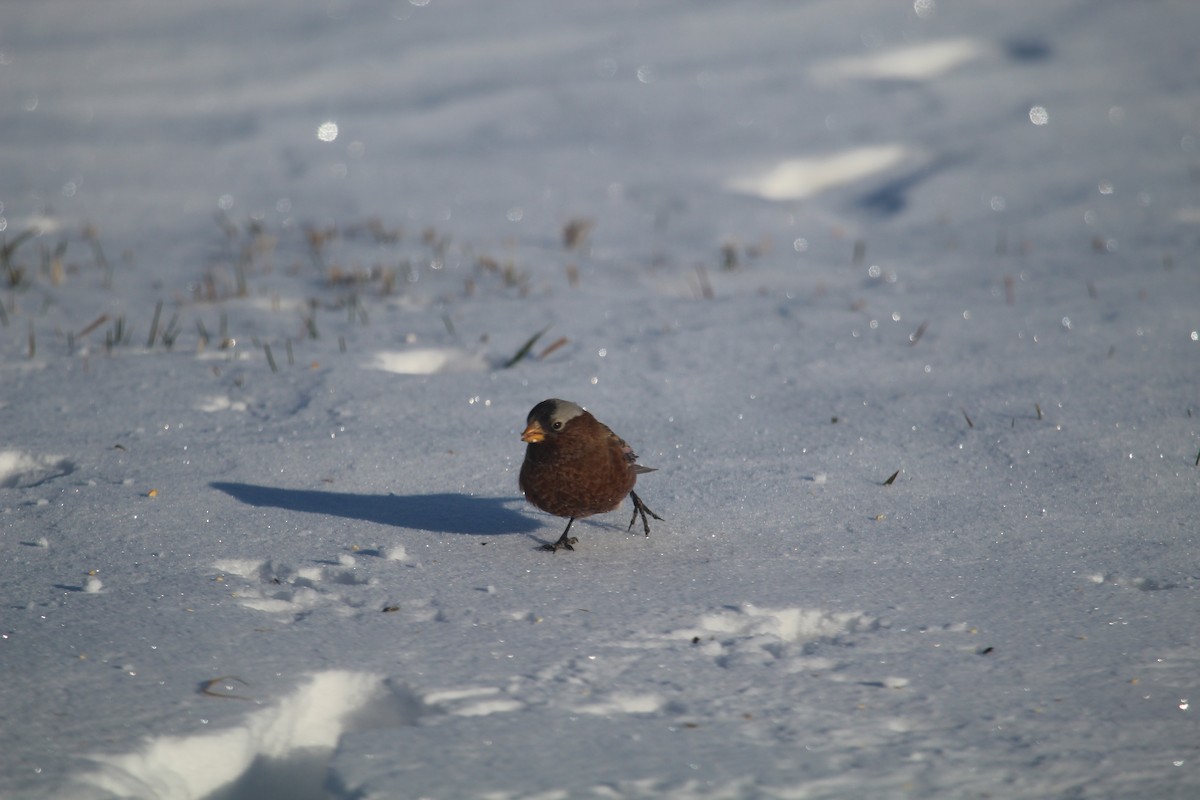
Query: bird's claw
point(640, 508)
point(562, 544)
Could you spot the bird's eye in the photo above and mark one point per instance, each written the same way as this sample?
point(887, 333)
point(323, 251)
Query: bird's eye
point(557, 425)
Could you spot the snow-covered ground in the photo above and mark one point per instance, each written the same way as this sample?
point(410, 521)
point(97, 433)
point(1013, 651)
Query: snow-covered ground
point(265, 265)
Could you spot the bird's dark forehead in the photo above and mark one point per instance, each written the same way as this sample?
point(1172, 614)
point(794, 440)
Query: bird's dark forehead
point(554, 410)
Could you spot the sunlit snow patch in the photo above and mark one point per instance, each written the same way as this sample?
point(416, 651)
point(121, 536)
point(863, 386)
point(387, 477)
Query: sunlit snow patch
point(19, 469)
point(798, 178)
point(1126, 582)
point(914, 63)
point(40, 224)
point(427, 361)
point(623, 703)
point(277, 588)
point(784, 624)
point(219, 402)
point(276, 303)
point(474, 701)
point(299, 731)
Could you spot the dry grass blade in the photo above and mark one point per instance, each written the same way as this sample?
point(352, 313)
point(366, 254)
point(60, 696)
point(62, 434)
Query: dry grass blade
point(239, 272)
point(52, 263)
point(915, 336)
point(967, 418)
point(117, 336)
point(96, 323)
point(576, 232)
point(550, 348)
point(860, 253)
point(93, 239)
point(8, 248)
point(13, 274)
point(525, 348)
point(171, 332)
point(729, 257)
point(154, 325)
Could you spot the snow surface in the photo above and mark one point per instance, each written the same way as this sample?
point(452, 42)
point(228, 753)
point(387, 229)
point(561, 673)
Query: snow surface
point(259, 442)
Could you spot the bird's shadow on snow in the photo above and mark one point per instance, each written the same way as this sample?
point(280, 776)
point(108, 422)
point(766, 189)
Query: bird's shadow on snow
point(442, 513)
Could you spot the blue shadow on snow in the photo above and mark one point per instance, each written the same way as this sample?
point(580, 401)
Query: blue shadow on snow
point(443, 513)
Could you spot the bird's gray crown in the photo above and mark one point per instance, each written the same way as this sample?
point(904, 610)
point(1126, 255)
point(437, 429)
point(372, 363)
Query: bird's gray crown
point(555, 410)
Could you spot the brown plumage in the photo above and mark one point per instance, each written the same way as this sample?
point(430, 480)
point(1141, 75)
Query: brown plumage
point(575, 467)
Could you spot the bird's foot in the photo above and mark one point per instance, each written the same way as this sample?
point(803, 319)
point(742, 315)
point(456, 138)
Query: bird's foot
point(564, 543)
point(641, 508)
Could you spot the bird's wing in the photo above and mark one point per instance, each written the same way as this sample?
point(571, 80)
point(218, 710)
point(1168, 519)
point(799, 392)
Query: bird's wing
point(630, 456)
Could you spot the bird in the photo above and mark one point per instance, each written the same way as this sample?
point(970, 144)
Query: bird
point(575, 466)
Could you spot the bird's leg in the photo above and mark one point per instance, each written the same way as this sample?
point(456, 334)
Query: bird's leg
point(564, 541)
point(640, 508)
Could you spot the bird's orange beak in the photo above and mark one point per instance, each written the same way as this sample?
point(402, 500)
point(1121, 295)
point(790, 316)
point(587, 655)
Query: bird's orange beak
point(533, 433)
